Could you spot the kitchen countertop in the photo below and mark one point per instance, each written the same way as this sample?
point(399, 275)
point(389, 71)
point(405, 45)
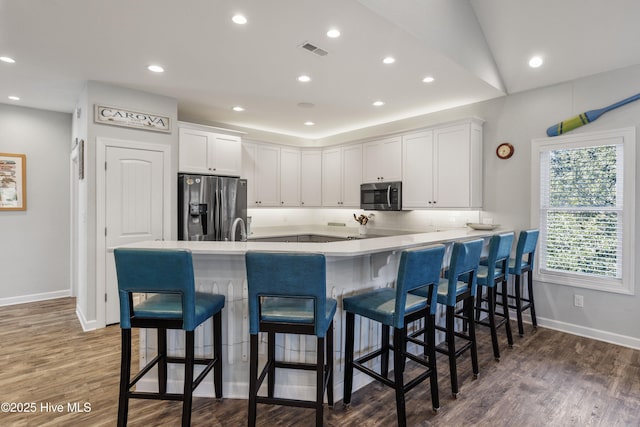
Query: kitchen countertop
point(345, 248)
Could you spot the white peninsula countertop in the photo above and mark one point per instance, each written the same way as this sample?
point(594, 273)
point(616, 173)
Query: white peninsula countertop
point(346, 248)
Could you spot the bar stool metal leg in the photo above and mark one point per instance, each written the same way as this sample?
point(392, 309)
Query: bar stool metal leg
point(125, 374)
point(329, 365)
point(398, 370)
point(451, 349)
point(505, 312)
point(188, 379)
point(518, 298)
point(320, 367)
point(162, 360)
point(532, 306)
point(348, 358)
point(491, 296)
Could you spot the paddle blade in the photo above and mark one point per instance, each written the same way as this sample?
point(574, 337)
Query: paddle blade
point(568, 125)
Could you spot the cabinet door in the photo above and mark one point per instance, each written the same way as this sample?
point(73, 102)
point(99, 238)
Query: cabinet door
point(289, 177)
point(351, 175)
point(417, 170)
point(452, 170)
point(332, 177)
point(311, 178)
point(267, 170)
point(382, 160)
point(193, 151)
point(249, 158)
point(225, 155)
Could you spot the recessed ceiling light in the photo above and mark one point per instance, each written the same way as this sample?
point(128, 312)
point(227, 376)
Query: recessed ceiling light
point(309, 123)
point(7, 59)
point(378, 104)
point(428, 79)
point(535, 62)
point(238, 108)
point(333, 33)
point(306, 105)
point(14, 98)
point(303, 78)
point(239, 19)
point(389, 60)
point(155, 68)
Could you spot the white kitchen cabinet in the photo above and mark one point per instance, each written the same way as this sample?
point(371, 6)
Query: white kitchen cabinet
point(204, 152)
point(382, 160)
point(417, 170)
point(289, 177)
point(442, 167)
point(261, 168)
point(311, 178)
point(342, 176)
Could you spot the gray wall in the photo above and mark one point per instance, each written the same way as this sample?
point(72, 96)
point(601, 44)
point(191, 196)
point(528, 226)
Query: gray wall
point(34, 244)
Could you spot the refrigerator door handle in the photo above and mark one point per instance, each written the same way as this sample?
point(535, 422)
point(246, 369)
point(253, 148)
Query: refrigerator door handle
point(218, 201)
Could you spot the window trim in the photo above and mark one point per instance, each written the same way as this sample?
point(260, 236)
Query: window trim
point(628, 138)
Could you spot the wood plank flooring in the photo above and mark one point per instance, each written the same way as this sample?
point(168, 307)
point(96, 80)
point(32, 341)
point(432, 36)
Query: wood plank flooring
point(548, 379)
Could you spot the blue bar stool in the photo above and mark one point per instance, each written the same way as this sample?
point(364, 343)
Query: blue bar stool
point(419, 269)
point(520, 266)
point(287, 294)
point(175, 304)
point(489, 276)
point(460, 286)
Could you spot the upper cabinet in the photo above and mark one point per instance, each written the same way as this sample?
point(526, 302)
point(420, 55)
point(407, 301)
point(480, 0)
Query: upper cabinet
point(205, 152)
point(261, 168)
point(289, 177)
point(342, 176)
point(442, 167)
point(311, 178)
point(382, 160)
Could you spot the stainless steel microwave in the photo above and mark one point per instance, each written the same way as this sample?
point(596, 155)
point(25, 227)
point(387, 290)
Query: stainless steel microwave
point(381, 196)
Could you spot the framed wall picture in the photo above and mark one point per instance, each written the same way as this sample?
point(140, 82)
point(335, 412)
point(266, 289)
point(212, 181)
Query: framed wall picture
point(13, 182)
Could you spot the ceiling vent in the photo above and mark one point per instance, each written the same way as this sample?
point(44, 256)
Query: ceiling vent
point(314, 49)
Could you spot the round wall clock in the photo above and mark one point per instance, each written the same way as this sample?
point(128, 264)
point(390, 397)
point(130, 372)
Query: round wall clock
point(505, 150)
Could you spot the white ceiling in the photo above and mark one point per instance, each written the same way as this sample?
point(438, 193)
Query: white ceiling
point(476, 50)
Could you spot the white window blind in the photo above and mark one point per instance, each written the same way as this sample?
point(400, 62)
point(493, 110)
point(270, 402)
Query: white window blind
point(581, 202)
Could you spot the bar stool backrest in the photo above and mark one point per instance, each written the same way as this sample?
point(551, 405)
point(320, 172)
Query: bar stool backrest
point(465, 257)
point(499, 251)
point(418, 267)
point(527, 242)
point(281, 274)
point(161, 271)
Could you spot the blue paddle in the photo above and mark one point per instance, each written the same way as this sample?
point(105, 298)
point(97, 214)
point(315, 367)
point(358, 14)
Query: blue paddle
point(587, 117)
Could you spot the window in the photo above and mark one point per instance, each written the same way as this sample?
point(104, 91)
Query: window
point(583, 201)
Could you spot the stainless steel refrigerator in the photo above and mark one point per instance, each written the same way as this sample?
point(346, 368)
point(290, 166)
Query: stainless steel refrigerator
point(208, 206)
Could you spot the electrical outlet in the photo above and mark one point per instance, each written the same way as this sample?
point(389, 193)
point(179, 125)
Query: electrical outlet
point(578, 300)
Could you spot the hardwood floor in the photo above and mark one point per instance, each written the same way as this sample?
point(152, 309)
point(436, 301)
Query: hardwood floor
point(548, 379)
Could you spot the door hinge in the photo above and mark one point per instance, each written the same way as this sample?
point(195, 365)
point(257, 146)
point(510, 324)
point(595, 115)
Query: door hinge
point(105, 165)
point(105, 297)
point(105, 232)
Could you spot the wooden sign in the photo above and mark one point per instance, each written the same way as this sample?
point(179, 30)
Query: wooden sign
point(132, 119)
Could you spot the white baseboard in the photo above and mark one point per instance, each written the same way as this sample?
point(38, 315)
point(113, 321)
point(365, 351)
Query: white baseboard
point(87, 325)
point(582, 331)
point(595, 334)
point(34, 297)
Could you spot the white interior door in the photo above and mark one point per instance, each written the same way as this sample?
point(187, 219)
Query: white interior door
point(134, 191)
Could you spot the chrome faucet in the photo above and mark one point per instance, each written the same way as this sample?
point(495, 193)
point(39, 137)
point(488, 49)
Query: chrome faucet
point(243, 230)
